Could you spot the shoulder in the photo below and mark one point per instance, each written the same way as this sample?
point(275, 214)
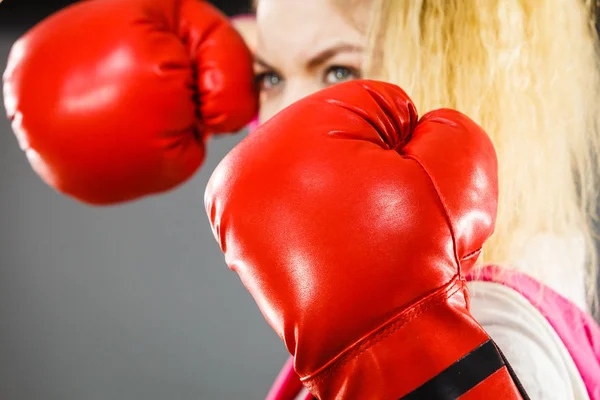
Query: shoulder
point(528, 341)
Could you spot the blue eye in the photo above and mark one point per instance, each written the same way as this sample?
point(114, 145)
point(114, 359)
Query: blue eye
point(337, 74)
point(268, 80)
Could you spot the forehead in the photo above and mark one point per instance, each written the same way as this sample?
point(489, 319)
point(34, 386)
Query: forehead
point(297, 28)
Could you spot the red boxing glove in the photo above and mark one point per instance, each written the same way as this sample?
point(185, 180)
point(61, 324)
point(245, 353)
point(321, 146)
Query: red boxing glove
point(113, 100)
point(351, 222)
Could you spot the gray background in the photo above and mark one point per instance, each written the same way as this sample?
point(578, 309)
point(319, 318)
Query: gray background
point(124, 303)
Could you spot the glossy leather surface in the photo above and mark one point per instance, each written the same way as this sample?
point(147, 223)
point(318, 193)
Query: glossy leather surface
point(112, 100)
point(349, 219)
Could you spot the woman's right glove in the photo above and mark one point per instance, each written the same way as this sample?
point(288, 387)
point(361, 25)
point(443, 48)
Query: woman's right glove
point(351, 222)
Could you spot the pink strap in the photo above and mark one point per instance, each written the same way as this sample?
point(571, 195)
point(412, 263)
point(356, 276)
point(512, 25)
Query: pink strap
point(287, 385)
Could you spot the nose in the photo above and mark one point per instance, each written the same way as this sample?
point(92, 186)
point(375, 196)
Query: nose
point(298, 90)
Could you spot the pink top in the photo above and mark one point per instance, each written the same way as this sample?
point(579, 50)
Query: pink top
point(577, 330)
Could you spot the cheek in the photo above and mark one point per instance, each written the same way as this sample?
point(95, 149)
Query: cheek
point(271, 104)
point(267, 110)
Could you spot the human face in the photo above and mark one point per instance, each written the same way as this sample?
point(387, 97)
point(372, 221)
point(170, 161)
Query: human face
point(304, 46)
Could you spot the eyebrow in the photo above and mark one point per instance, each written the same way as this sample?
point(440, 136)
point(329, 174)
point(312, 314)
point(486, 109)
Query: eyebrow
point(319, 58)
point(262, 63)
point(324, 55)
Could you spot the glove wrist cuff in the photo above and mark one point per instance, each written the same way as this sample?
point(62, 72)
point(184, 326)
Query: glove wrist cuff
point(406, 352)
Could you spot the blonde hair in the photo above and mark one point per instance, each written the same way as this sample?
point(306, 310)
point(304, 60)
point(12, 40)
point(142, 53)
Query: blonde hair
point(526, 71)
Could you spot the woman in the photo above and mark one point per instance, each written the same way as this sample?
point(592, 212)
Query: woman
point(527, 72)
